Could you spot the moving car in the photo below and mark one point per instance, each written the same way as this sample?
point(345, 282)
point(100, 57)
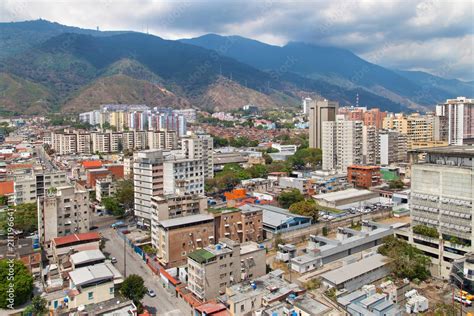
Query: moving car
point(151, 293)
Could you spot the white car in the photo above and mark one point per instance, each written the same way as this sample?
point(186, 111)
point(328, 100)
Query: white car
point(151, 293)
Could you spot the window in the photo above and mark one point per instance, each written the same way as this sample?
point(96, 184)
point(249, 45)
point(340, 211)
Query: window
point(242, 307)
point(111, 290)
point(90, 295)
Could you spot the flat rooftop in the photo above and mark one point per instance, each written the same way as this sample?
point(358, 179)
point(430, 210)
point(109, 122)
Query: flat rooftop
point(355, 269)
point(87, 256)
point(344, 194)
point(466, 151)
point(185, 220)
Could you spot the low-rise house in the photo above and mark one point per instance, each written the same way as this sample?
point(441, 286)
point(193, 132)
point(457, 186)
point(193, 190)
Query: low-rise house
point(92, 284)
point(27, 250)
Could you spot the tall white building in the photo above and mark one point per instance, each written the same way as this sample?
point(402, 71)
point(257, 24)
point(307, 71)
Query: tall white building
point(460, 120)
point(200, 146)
point(63, 211)
point(147, 182)
point(341, 144)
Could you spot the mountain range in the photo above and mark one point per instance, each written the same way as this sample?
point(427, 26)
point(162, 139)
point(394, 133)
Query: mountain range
point(47, 67)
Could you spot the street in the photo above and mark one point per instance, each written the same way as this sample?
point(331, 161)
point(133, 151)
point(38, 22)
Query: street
point(164, 303)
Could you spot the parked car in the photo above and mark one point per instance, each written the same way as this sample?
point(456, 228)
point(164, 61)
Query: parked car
point(151, 293)
point(93, 227)
point(113, 260)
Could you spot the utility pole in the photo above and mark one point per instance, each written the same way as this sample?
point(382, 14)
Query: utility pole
point(124, 258)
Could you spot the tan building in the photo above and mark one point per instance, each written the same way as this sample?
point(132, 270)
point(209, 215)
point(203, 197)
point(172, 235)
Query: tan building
point(62, 212)
point(212, 269)
point(239, 225)
point(178, 237)
point(416, 127)
point(174, 206)
point(319, 112)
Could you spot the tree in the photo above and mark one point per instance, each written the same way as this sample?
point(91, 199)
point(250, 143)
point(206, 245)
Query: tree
point(396, 184)
point(133, 288)
point(305, 208)
point(25, 218)
point(278, 241)
point(125, 193)
point(37, 306)
point(286, 199)
point(220, 141)
point(306, 157)
point(111, 204)
point(22, 283)
point(3, 200)
point(408, 261)
point(258, 171)
point(268, 158)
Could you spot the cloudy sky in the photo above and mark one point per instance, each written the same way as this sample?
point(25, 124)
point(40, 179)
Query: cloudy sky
point(436, 36)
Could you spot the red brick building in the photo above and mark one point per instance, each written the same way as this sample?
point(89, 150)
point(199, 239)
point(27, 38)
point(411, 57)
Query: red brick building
point(363, 176)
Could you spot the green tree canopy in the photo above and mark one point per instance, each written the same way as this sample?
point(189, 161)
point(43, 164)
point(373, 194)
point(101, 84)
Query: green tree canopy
point(22, 283)
point(287, 198)
point(305, 208)
point(125, 193)
point(306, 157)
point(25, 218)
point(37, 307)
point(408, 261)
point(111, 204)
point(133, 288)
point(258, 171)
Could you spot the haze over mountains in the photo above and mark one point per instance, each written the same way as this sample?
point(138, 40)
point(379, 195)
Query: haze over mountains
point(48, 67)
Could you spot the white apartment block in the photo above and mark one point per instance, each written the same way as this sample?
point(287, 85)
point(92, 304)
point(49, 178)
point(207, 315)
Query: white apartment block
point(101, 142)
point(63, 211)
point(392, 147)
point(28, 187)
point(459, 113)
point(147, 182)
point(183, 176)
point(162, 139)
point(341, 144)
point(200, 146)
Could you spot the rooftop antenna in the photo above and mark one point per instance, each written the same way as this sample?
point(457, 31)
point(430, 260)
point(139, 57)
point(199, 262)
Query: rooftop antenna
point(97, 28)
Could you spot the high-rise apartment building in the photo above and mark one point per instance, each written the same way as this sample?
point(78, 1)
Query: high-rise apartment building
point(147, 182)
point(459, 116)
point(200, 146)
point(392, 147)
point(417, 128)
point(370, 145)
point(63, 211)
point(162, 139)
point(342, 144)
point(442, 197)
point(319, 112)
